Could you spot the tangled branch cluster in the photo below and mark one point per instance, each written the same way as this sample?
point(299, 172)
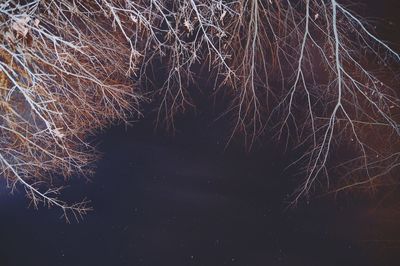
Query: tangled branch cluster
point(64, 74)
point(308, 70)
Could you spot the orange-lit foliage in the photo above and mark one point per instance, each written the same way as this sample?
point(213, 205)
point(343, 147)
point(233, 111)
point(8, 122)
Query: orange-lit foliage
point(65, 73)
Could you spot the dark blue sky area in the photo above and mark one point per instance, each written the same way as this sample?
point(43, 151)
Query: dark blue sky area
point(184, 201)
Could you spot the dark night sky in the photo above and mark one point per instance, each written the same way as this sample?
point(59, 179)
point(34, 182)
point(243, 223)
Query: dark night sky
point(163, 201)
point(183, 201)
